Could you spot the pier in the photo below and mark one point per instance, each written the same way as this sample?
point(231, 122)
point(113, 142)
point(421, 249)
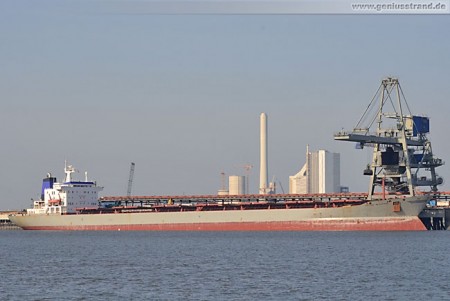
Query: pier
point(5, 223)
point(437, 214)
point(436, 218)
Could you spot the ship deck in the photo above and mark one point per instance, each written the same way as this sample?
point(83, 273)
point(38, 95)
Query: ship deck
point(434, 217)
point(185, 205)
point(336, 198)
point(229, 202)
point(176, 203)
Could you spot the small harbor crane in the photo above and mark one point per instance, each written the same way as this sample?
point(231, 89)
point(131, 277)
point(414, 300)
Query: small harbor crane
point(130, 179)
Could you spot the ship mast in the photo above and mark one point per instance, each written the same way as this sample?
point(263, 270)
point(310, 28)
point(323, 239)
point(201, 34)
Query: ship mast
point(68, 170)
point(402, 153)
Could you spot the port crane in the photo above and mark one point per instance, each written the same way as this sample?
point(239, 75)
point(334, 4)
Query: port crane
point(130, 179)
point(402, 153)
point(248, 168)
point(223, 180)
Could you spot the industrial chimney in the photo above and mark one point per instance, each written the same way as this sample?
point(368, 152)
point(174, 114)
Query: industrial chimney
point(263, 185)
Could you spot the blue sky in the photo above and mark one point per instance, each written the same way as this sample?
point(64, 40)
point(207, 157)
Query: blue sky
point(180, 95)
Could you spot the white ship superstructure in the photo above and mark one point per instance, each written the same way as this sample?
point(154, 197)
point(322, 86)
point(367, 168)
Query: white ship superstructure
point(66, 197)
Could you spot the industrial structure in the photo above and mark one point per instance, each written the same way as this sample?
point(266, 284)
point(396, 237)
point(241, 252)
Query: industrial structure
point(223, 190)
point(402, 157)
point(319, 174)
point(263, 160)
point(130, 179)
point(236, 185)
point(264, 186)
point(401, 160)
point(5, 222)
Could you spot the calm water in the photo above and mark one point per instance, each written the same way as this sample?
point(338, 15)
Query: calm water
point(225, 266)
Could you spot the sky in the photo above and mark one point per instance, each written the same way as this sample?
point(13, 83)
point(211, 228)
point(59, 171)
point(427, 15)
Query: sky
point(180, 95)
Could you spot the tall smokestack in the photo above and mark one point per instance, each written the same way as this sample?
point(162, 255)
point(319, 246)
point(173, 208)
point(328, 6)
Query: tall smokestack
point(263, 186)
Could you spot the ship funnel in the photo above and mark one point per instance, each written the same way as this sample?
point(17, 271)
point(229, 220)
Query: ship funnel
point(47, 183)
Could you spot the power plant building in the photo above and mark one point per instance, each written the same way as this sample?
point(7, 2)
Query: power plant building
point(320, 174)
point(236, 185)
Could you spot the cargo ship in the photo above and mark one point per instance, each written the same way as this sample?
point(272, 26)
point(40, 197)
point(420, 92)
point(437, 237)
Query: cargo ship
point(401, 155)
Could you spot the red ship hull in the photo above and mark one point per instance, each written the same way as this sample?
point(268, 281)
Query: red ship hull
point(381, 224)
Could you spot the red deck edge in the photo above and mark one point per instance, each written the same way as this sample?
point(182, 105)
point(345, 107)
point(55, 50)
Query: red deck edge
point(397, 224)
